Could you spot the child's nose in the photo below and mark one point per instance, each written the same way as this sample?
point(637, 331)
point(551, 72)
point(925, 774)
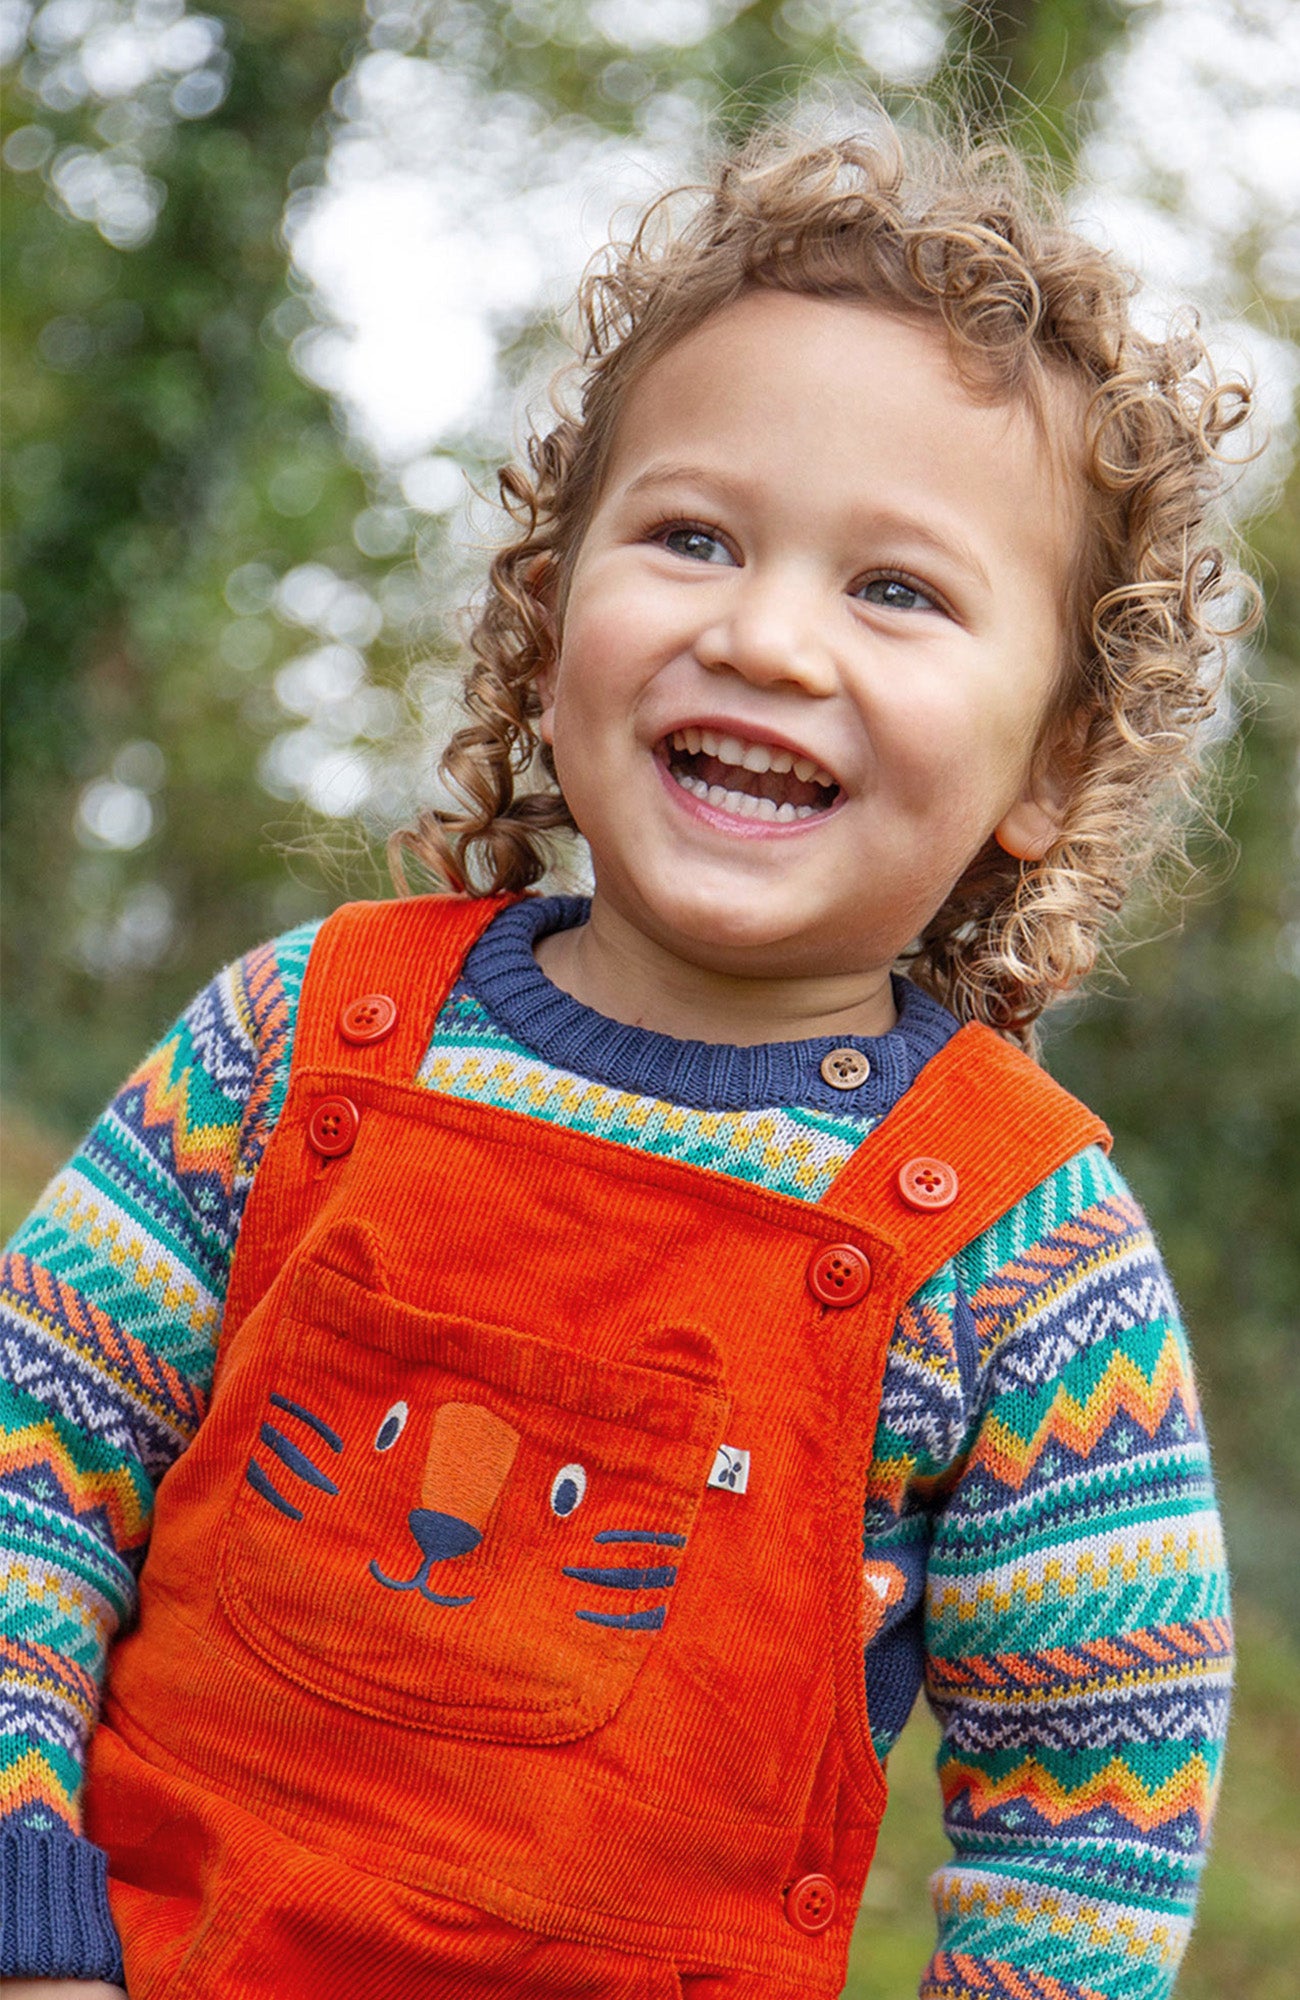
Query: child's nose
point(771, 633)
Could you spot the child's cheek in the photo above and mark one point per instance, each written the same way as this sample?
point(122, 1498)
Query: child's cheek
point(947, 734)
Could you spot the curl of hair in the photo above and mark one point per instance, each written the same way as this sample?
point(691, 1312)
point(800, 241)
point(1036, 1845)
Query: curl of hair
point(932, 228)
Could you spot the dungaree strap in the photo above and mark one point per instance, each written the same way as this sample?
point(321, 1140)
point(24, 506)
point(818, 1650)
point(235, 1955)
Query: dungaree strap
point(980, 1128)
point(404, 954)
point(407, 952)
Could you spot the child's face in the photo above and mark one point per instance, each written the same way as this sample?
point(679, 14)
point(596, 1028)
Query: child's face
point(814, 547)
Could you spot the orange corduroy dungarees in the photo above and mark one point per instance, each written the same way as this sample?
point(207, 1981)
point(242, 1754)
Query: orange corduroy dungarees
point(473, 1658)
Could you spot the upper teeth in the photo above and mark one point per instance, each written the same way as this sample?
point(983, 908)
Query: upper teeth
point(750, 756)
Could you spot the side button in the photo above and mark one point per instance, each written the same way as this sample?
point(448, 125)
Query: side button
point(333, 1126)
point(839, 1275)
point(810, 1904)
point(927, 1183)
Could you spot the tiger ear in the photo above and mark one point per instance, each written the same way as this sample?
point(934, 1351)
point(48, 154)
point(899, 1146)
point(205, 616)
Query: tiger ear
point(681, 1350)
point(355, 1250)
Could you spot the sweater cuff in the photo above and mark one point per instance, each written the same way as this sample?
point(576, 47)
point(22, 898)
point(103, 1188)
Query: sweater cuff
point(54, 1915)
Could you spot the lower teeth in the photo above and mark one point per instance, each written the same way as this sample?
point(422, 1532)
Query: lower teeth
point(745, 804)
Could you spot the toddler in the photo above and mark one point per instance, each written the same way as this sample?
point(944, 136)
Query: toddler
point(578, 1367)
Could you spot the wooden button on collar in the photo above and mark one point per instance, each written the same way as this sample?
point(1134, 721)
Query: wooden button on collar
point(844, 1069)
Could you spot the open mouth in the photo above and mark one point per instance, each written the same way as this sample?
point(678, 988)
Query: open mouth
point(758, 781)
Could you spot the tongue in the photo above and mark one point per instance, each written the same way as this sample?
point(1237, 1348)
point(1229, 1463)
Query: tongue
point(782, 787)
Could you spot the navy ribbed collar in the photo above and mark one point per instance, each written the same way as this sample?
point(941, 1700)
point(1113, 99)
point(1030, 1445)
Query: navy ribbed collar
point(504, 976)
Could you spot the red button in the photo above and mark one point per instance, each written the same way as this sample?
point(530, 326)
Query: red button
point(925, 1183)
point(839, 1275)
point(810, 1904)
point(368, 1019)
point(333, 1126)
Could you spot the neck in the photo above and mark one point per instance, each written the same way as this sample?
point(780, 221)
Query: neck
point(616, 970)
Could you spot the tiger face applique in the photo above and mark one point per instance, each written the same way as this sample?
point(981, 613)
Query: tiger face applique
point(492, 1549)
point(469, 1458)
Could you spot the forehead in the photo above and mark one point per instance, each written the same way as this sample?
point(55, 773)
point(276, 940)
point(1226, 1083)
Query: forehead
point(832, 398)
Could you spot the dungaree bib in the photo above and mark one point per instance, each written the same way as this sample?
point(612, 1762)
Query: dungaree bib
point(502, 1629)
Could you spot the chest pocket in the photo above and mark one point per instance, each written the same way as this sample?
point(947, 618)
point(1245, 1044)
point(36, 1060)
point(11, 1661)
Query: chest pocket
point(460, 1526)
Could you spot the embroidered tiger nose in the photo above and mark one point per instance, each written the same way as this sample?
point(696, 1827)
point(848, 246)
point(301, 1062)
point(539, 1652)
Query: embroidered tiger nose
point(470, 1455)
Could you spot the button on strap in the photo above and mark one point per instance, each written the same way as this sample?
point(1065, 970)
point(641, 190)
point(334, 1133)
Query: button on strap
point(927, 1183)
point(839, 1275)
point(369, 1018)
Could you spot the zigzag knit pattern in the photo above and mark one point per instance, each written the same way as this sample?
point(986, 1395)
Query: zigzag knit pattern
point(1039, 1523)
point(788, 1149)
point(110, 1299)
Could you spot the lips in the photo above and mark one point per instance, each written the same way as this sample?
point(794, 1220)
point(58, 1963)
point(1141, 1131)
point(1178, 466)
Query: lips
point(752, 778)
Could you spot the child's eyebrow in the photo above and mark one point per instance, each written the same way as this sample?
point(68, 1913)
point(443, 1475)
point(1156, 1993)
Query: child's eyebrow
point(950, 545)
point(671, 473)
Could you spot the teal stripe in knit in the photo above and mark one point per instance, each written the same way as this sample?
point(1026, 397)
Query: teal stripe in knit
point(63, 1633)
point(1069, 1621)
point(1096, 1945)
point(1077, 1185)
point(33, 1531)
point(790, 1151)
point(1151, 1492)
point(1170, 1879)
point(94, 1227)
point(66, 1769)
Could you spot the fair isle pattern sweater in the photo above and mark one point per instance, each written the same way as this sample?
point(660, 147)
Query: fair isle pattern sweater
point(1039, 1523)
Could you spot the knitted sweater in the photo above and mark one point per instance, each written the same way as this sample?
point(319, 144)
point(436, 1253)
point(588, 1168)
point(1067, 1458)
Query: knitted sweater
point(1039, 1521)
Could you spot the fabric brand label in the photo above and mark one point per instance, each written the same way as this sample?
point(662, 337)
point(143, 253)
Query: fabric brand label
point(730, 1469)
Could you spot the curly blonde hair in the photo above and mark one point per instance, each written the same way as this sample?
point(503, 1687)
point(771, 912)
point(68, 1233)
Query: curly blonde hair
point(934, 228)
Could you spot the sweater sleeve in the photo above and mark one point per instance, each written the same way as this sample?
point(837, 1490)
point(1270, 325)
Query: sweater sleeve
point(110, 1300)
point(1077, 1617)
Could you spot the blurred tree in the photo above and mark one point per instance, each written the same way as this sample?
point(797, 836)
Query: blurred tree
point(1191, 1050)
point(1030, 65)
point(159, 443)
point(182, 511)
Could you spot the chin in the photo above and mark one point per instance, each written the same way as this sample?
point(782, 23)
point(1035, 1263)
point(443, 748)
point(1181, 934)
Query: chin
point(727, 937)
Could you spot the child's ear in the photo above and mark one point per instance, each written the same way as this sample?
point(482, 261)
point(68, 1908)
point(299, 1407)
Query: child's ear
point(1029, 827)
point(545, 685)
point(1028, 830)
point(540, 579)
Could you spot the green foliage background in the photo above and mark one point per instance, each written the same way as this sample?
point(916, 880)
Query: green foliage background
point(167, 462)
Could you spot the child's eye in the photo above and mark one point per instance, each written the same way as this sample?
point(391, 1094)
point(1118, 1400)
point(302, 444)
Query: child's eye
point(895, 593)
point(699, 544)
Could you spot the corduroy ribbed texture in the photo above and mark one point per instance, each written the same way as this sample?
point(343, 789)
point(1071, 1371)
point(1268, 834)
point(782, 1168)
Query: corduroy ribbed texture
point(612, 1321)
point(1038, 1453)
